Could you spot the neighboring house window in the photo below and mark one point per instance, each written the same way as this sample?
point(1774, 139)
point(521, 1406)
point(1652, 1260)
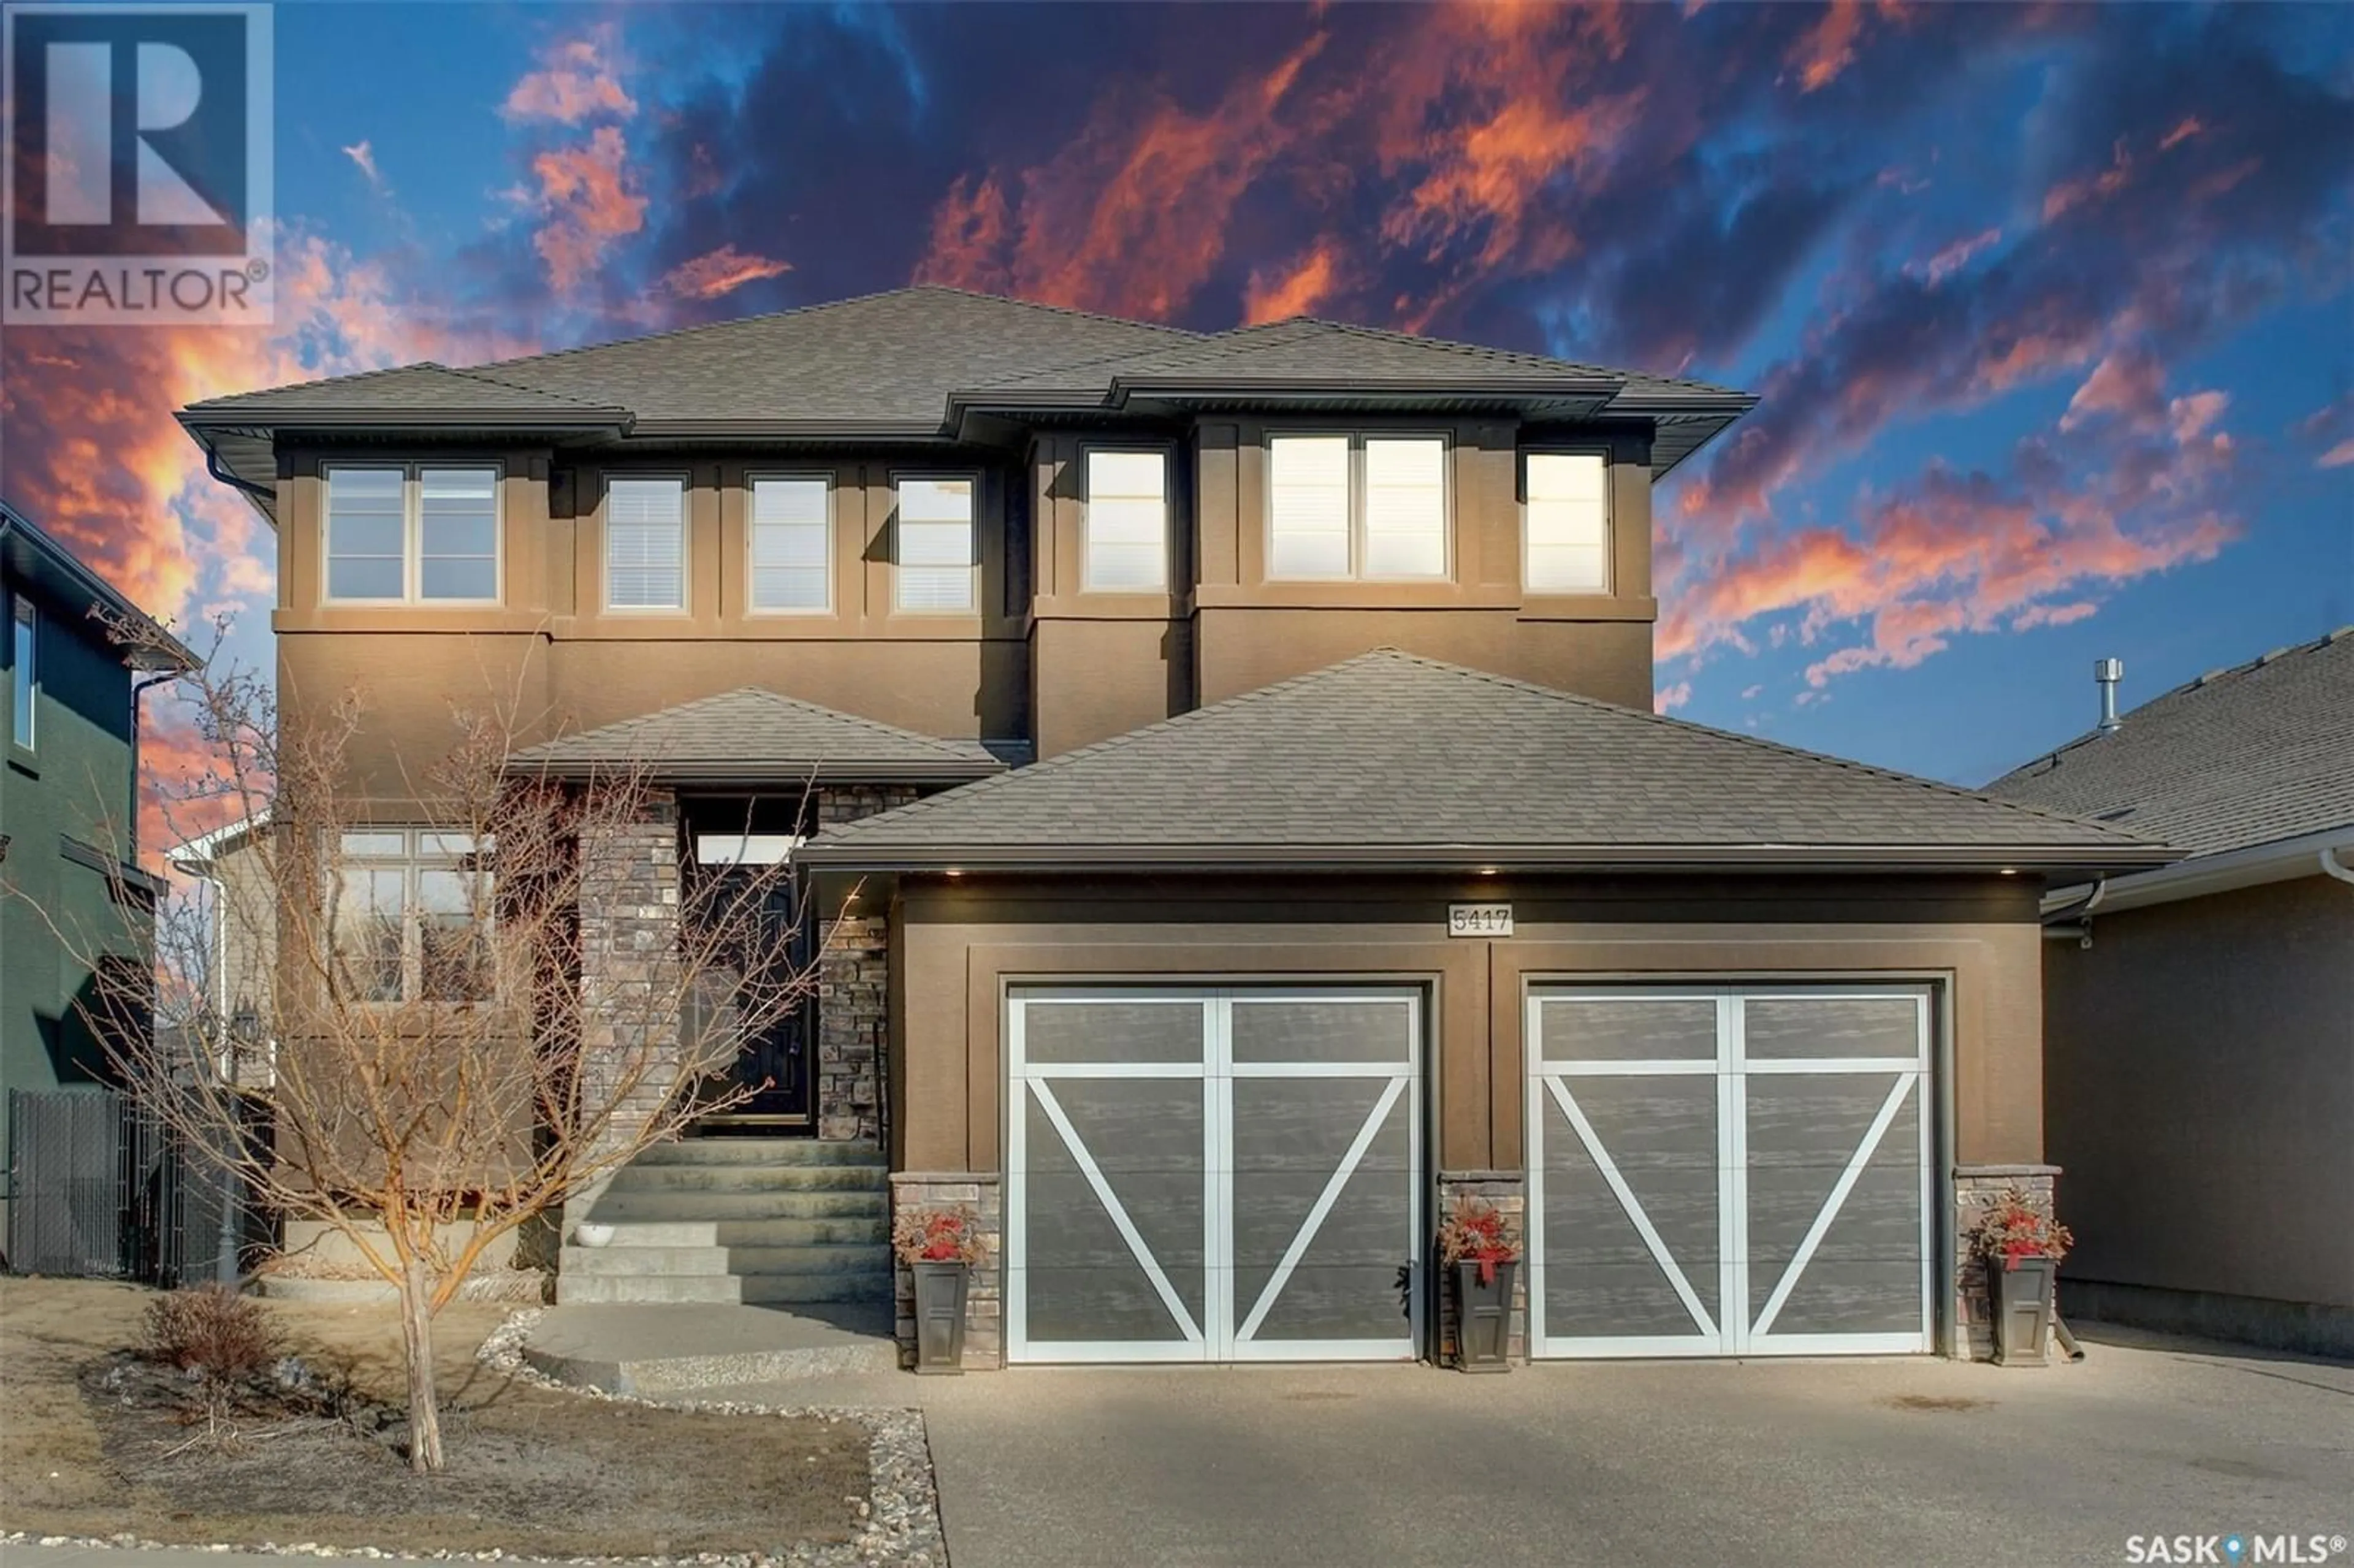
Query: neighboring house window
point(645, 543)
point(1127, 522)
point(1568, 522)
point(412, 535)
point(24, 674)
point(412, 917)
point(792, 545)
point(1344, 507)
point(935, 544)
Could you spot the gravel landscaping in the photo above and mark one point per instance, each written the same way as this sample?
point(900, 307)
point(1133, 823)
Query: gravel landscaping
point(100, 1446)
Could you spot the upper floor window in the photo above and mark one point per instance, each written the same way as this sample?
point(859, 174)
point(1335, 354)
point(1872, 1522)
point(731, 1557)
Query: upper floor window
point(935, 544)
point(412, 916)
point(1127, 522)
point(792, 545)
point(645, 543)
point(1357, 507)
point(413, 534)
point(24, 674)
point(1568, 522)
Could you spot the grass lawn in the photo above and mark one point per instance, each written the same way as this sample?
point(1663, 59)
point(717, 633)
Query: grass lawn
point(537, 1473)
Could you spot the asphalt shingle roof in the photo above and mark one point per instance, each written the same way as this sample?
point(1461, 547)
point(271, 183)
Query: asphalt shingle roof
point(2244, 756)
point(750, 734)
point(1393, 759)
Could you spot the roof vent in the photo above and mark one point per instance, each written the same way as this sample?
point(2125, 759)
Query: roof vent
point(2106, 673)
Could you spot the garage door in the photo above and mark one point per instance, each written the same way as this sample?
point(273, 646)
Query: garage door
point(1729, 1172)
point(1213, 1175)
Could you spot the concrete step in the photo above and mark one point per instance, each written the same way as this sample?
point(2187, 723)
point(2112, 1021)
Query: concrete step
point(710, 1260)
point(875, 1230)
point(760, 1152)
point(750, 1178)
point(787, 1288)
point(708, 1206)
point(574, 1289)
point(682, 1349)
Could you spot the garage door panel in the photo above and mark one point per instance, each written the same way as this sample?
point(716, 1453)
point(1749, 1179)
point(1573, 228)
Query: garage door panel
point(1631, 1030)
point(1784, 1028)
point(1097, 1304)
point(1062, 1033)
point(1340, 1302)
point(1615, 1300)
point(1837, 1297)
point(1813, 1120)
point(1650, 1124)
point(1292, 1030)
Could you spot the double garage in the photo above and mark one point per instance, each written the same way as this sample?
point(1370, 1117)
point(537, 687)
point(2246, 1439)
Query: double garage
point(1242, 1172)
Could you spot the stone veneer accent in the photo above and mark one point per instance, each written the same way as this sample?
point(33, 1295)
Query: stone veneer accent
point(985, 1316)
point(1976, 1187)
point(1507, 1190)
point(629, 916)
point(854, 987)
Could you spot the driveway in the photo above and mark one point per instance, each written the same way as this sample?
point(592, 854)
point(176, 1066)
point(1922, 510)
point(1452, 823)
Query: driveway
point(1680, 1465)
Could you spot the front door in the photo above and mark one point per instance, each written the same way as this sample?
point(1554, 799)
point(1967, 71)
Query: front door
point(1213, 1175)
point(773, 1064)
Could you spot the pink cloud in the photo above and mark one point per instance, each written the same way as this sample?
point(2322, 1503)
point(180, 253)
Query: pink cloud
point(1669, 698)
point(720, 272)
point(577, 79)
point(588, 199)
point(363, 157)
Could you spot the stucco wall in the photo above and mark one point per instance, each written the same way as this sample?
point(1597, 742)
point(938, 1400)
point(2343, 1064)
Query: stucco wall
point(2200, 1080)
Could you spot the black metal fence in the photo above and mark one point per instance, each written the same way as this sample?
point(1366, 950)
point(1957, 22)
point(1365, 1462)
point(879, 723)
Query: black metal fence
point(100, 1187)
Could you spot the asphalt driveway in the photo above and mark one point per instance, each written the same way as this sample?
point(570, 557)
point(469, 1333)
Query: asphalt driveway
point(1683, 1465)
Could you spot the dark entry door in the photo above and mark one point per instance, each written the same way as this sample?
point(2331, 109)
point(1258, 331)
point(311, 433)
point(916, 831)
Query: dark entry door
point(774, 1064)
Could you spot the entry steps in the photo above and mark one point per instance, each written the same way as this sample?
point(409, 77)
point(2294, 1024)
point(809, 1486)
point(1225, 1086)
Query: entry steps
point(755, 1221)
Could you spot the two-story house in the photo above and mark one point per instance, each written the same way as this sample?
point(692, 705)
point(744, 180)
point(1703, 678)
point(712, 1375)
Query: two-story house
point(1232, 784)
point(73, 898)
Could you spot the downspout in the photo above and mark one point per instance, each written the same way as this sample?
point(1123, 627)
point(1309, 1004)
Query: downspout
point(213, 467)
point(2073, 922)
point(138, 690)
point(2331, 865)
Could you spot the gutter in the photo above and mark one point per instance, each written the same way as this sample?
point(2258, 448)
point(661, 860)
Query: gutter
point(766, 777)
point(2282, 859)
point(851, 857)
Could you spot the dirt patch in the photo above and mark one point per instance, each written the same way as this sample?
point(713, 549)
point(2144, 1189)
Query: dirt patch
point(95, 1445)
point(1934, 1402)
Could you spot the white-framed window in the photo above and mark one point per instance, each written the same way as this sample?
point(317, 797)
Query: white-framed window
point(1126, 521)
point(411, 917)
point(24, 668)
point(935, 545)
point(1566, 522)
point(1344, 507)
point(645, 543)
point(790, 538)
point(412, 533)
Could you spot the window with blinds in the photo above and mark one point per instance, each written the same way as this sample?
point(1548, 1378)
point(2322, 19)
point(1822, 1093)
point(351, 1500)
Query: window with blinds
point(1568, 522)
point(645, 543)
point(1342, 507)
point(408, 534)
point(1127, 522)
point(935, 544)
point(791, 539)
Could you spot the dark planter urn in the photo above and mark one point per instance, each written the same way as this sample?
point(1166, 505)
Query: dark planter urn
point(940, 1316)
point(1483, 1317)
point(2020, 1295)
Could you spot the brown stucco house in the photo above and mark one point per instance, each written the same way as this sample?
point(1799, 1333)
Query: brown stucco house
point(1225, 767)
point(2199, 1018)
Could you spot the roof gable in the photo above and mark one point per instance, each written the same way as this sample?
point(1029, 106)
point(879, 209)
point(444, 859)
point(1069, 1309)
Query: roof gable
point(2244, 756)
point(1394, 759)
point(750, 734)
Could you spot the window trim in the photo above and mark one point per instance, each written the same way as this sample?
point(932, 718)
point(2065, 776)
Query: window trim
point(1609, 520)
point(24, 721)
point(412, 531)
point(685, 605)
point(971, 608)
point(1168, 512)
point(1357, 435)
point(753, 480)
point(411, 863)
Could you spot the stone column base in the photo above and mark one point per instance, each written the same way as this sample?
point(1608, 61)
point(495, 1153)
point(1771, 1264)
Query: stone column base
point(1508, 1190)
point(1976, 1188)
point(985, 1317)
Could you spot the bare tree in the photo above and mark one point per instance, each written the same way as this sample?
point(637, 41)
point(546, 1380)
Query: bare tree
point(450, 1050)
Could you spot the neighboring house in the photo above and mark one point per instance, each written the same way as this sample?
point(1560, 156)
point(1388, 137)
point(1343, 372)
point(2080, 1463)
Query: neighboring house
point(71, 891)
point(238, 887)
point(2198, 1019)
point(1235, 791)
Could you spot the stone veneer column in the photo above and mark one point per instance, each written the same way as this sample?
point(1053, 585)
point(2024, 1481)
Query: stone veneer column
point(984, 1317)
point(629, 956)
point(1508, 1190)
point(853, 985)
point(1976, 1188)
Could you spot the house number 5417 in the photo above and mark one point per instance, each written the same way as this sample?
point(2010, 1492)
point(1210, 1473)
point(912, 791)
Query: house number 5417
point(1478, 919)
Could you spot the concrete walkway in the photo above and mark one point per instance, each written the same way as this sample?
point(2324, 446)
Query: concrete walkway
point(673, 1350)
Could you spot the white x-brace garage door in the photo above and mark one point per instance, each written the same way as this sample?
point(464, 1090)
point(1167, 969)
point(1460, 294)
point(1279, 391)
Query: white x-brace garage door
point(1214, 1174)
point(1722, 1171)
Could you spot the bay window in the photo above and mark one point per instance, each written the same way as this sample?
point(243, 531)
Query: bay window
point(1357, 507)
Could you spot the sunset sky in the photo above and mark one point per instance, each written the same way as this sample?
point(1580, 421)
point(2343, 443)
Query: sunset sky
point(2049, 306)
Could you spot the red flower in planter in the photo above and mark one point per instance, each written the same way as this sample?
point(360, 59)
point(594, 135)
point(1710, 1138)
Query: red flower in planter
point(925, 1234)
point(2016, 1226)
point(1477, 1233)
